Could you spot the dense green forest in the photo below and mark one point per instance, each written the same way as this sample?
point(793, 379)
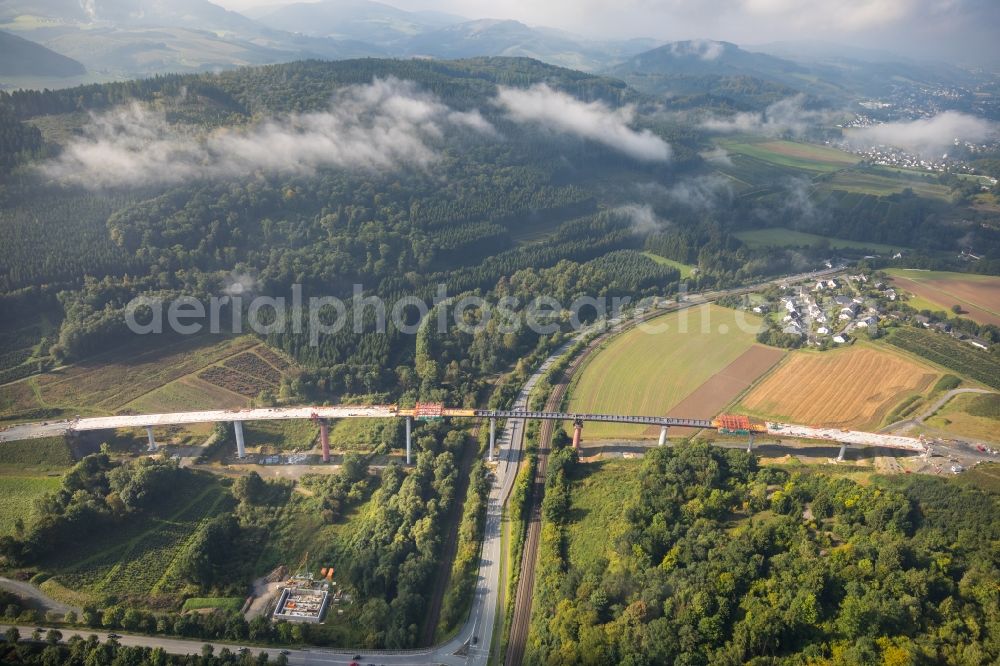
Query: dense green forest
point(489, 207)
point(387, 565)
point(718, 561)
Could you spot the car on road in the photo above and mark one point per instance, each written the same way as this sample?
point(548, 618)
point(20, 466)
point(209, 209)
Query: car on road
point(113, 636)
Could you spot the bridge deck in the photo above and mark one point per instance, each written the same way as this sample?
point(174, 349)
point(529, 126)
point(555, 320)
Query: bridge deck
point(56, 428)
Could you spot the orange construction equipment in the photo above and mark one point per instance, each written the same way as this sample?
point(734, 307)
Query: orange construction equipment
point(737, 424)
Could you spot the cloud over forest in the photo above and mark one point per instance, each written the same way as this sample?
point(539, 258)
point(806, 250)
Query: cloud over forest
point(383, 125)
point(595, 121)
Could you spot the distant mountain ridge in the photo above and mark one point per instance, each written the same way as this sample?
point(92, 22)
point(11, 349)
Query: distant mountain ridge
point(22, 57)
point(823, 71)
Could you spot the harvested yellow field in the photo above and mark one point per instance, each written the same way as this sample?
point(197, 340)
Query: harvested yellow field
point(852, 387)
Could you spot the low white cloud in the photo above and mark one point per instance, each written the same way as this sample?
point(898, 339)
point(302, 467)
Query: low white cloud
point(384, 125)
point(706, 49)
point(596, 121)
point(785, 117)
point(929, 137)
point(701, 193)
point(643, 218)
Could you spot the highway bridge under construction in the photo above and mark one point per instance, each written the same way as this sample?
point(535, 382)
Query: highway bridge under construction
point(727, 424)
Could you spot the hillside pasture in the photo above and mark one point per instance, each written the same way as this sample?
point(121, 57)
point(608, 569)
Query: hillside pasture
point(793, 155)
point(977, 295)
point(845, 388)
point(137, 560)
point(282, 435)
point(685, 269)
point(19, 492)
point(884, 184)
point(650, 370)
point(963, 416)
point(782, 237)
point(107, 382)
point(47, 453)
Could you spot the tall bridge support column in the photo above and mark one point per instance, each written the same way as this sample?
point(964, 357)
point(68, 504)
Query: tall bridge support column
point(663, 435)
point(750, 443)
point(408, 438)
point(241, 448)
point(324, 438)
point(577, 434)
point(152, 441)
point(843, 450)
point(493, 437)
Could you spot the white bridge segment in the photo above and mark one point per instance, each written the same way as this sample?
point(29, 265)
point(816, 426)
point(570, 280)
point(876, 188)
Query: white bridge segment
point(838, 436)
point(54, 428)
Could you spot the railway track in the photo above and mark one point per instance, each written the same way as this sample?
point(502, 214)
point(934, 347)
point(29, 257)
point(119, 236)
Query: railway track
point(521, 621)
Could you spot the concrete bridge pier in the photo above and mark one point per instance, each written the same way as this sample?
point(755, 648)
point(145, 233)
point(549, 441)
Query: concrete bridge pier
point(750, 443)
point(577, 434)
point(843, 450)
point(493, 437)
point(241, 449)
point(663, 435)
point(324, 438)
point(152, 441)
point(408, 438)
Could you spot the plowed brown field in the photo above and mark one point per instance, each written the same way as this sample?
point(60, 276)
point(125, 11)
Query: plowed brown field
point(853, 387)
point(711, 397)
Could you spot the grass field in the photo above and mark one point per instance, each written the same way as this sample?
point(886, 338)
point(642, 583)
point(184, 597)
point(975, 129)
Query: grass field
point(852, 387)
point(222, 603)
point(597, 510)
point(801, 156)
point(644, 372)
point(954, 417)
point(19, 492)
point(365, 434)
point(685, 269)
point(108, 382)
point(282, 435)
point(985, 476)
point(883, 184)
point(977, 295)
point(135, 560)
point(151, 376)
point(49, 453)
point(781, 237)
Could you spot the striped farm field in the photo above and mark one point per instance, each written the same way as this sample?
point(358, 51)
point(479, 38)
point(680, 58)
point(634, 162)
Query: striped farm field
point(977, 295)
point(651, 371)
point(845, 388)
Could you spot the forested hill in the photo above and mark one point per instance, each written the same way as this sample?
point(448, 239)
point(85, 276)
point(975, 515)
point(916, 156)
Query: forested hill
point(501, 176)
point(308, 85)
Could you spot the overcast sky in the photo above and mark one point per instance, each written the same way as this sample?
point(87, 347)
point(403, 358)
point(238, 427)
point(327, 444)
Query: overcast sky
point(963, 29)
